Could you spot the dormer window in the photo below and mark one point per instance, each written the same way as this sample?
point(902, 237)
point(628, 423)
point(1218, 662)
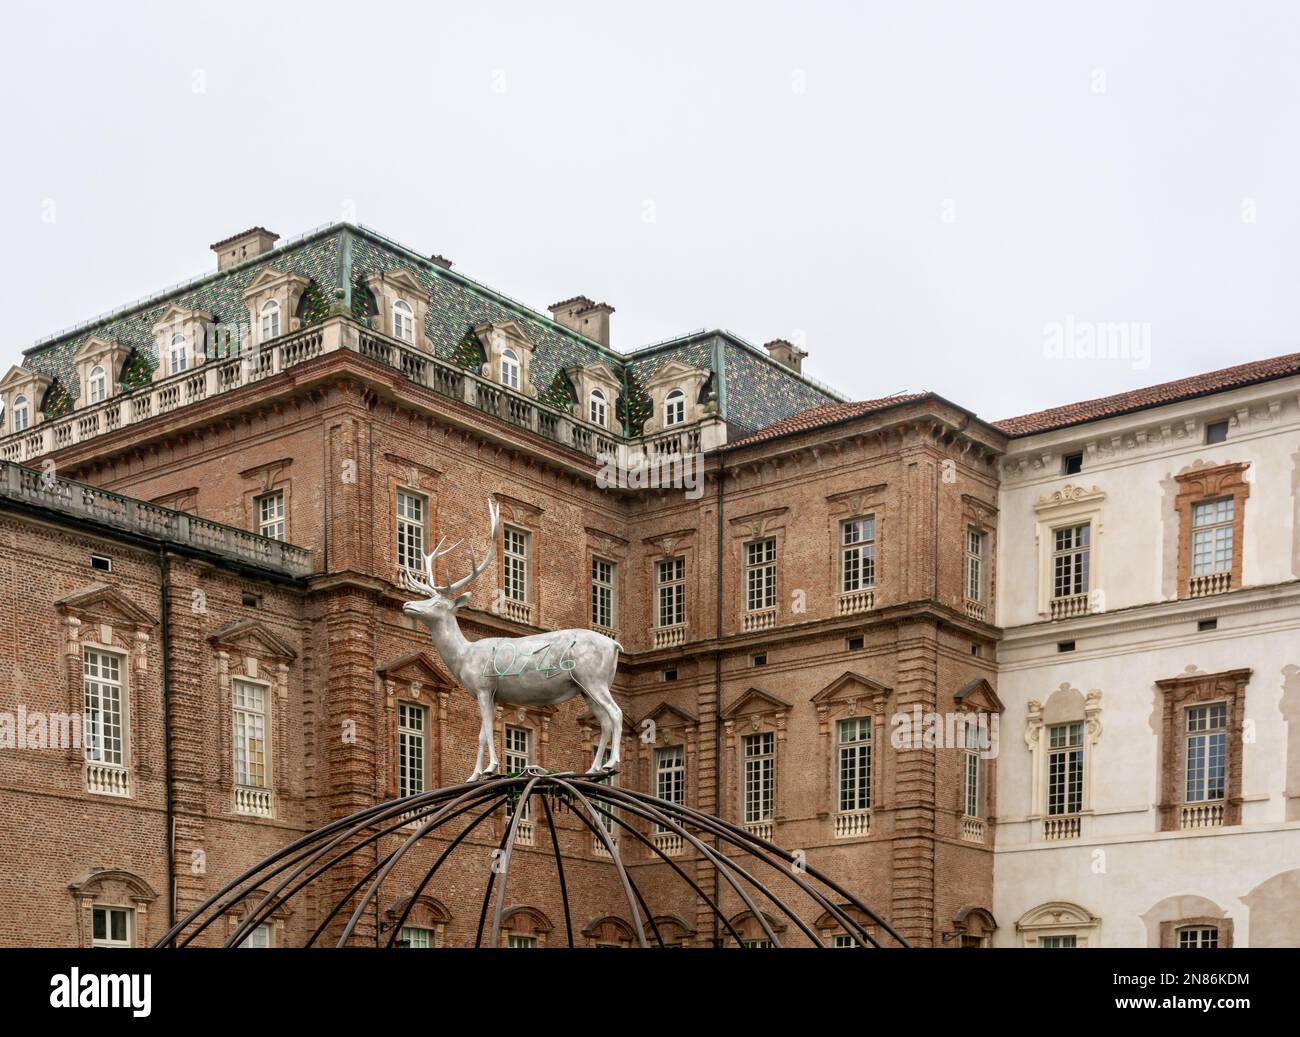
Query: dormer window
point(22, 416)
point(177, 356)
point(597, 408)
point(97, 389)
point(674, 408)
point(403, 321)
point(270, 320)
point(510, 369)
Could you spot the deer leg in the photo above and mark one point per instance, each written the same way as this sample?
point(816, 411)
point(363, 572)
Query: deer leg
point(599, 707)
point(485, 707)
point(613, 716)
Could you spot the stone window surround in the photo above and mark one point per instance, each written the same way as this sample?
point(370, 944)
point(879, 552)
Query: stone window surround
point(662, 549)
point(417, 680)
point(112, 888)
point(390, 286)
point(426, 913)
point(1204, 484)
point(674, 375)
point(261, 482)
point(98, 352)
point(193, 325)
point(611, 549)
point(1057, 918)
point(1040, 718)
point(1169, 930)
point(770, 717)
point(869, 501)
point(849, 696)
point(496, 337)
point(21, 381)
point(1194, 688)
point(594, 376)
point(673, 726)
point(525, 921)
point(1069, 506)
point(273, 286)
point(983, 517)
point(747, 529)
point(528, 519)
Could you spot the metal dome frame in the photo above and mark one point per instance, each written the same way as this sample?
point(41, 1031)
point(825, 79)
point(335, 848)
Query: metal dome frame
point(590, 798)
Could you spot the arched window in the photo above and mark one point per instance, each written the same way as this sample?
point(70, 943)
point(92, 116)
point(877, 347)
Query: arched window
point(403, 321)
point(97, 390)
point(597, 408)
point(178, 358)
point(22, 417)
point(270, 320)
point(675, 408)
point(510, 369)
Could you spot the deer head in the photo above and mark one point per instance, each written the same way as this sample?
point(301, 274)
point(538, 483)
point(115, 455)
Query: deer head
point(440, 600)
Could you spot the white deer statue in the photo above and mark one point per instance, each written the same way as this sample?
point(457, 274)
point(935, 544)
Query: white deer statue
point(538, 669)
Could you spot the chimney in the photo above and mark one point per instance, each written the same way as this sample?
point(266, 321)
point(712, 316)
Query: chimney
point(585, 317)
point(786, 354)
point(441, 261)
point(244, 245)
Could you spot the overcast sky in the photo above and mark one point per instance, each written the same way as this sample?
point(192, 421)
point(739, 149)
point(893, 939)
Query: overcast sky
point(925, 195)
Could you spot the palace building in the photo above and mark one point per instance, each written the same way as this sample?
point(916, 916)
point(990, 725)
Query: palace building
point(1029, 682)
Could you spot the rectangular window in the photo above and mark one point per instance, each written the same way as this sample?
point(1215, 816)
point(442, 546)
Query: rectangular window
point(1065, 768)
point(855, 764)
point(1206, 938)
point(412, 752)
point(521, 942)
point(602, 593)
point(760, 776)
point(671, 578)
point(517, 543)
point(249, 701)
point(1057, 942)
point(760, 575)
point(111, 927)
point(518, 755)
point(1070, 557)
point(259, 937)
point(416, 937)
point(970, 775)
point(843, 941)
point(670, 776)
point(1216, 432)
point(412, 511)
point(1212, 536)
point(270, 515)
point(858, 554)
point(976, 541)
point(104, 732)
point(1207, 752)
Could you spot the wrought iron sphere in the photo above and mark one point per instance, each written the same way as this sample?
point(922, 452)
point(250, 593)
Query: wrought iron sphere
point(741, 859)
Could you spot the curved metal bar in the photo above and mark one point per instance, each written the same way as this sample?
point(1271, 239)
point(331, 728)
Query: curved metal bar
point(645, 908)
point(522, 805)
point(491, 883)
point(559, 868)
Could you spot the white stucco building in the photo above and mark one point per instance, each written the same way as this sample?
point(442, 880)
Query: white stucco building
point(1148, 776)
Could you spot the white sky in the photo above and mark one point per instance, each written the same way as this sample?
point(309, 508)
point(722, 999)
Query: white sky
point(780, 170)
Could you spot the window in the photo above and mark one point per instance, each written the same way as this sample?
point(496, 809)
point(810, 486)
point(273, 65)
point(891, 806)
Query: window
point(1216, 432)
point(410, 530)
point(521, 942)
point(602, 593)
point(1065, 768)
point(415, 937)
point(97, 390)
point(177, 356)
point(270, 515)
point(1070, 552)
point(412, 728)
point(671, 577)
point(856, 643)
point(858, 554)
point(403, 321)
point(842, 941)
point(22, 416)
point(250, 600)
point(855, 764)
point(674, 408)
point(760, 768)
point(1065, 646)
point(1057, 942)
point(259, 937)
point(596, 407)
point(104, 722)
point(971, 785)
point(670, 776)
point(1212, 536)
point(1206, 625)
point(1207, 751)
point(669, 674)
point(516, 758)
point(760, 575)
point(1198, 937)
point(510, 369)
point(976, 542)
point(270, 320)
point(250, 734)
point(516, 567)
point(1072, 464)
point(101, 562)
point(758, 659)
point(763, 944)
point(111, 926)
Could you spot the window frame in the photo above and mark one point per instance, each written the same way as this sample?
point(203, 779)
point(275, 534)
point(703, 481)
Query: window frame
point(671, 591)
point(120, 682)
point(403, 542)
point(597, 408)
point(976, 564)
point(861, 751)
point(517, 565)
point(408, 735)
point(758, 778)
point(760, 574)
point(669, 776)
point(97, 385)
point(269, 322)
point(604, 593)
point(178, 354)
point(279, 519)
point(22, 413)
point(108, 911)
point(1071, 771)
point(674, 408)
point(403, 323)
point(510, 369)
point(266, 692)
point(1080, 555)
point(862, 551)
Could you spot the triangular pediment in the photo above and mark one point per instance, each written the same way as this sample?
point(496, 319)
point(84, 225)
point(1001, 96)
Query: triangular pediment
point(24, 375)
point(755, 700)
point(416, 668)
point(667, 715)
point(510, 330)
point(400, 280)
point(267, 278)
point(979, 695)
point(675, 371)
point(96, 346)
point(174, 314)
point(589, 720)
point(250, 636)
point(101, 602)
point(850, 685)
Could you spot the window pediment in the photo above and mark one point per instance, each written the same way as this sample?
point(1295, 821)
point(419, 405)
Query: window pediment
point(251, 637)
point(1069, 498)
point(1058, 914)
point(499, 338)
point(756, 704)
point(418, 671)
point(849, 689)
point(979, 695)
point(671, 377)
point(101, 603)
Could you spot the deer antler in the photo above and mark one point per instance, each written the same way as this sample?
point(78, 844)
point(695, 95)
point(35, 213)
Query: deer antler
point(476, 567)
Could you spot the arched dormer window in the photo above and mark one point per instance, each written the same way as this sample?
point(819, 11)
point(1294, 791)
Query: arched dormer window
point(597, 408)
point(510, 369)
point(270, 320)
point(674, 408)
point(97, 390)
point(177, 356)
point(403, 321)
point(22, 416)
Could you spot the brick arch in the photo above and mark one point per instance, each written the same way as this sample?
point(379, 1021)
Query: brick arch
point(522, 920)
point(116, 887)
point(609, 929)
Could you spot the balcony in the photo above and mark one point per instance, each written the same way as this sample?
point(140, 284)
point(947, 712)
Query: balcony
point(670, 844)
point(524, 833)
point(759, 619)
point(1200, 815)
point(670, 637)
point(852, 823)
point(598, 846)
point(609, 632)
point(253, 801)
point(972, 829)
point(106, 779)
point(1070, 606)
point(519, 611)
point(1209, 583)
point(761, 829)
point(849, 602)
point(977, 610)
point(1065, 826)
